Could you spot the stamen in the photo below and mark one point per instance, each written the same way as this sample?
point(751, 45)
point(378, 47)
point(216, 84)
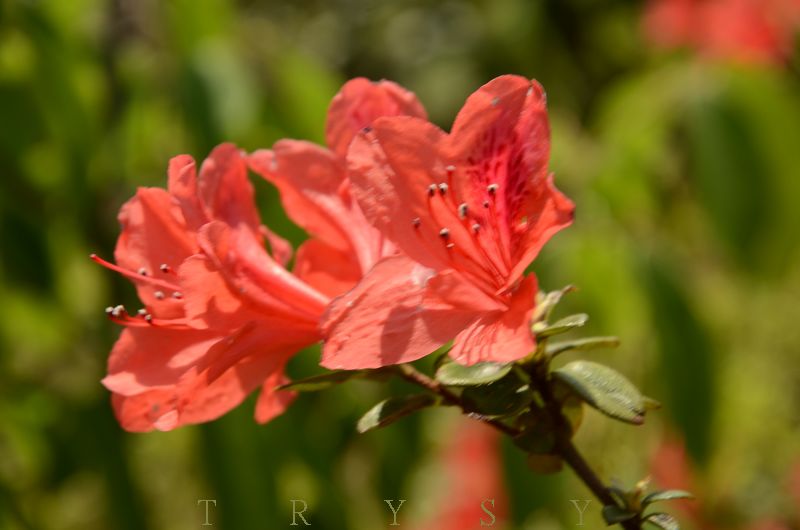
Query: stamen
point(416, 222)
point(431, 190)
point(159, 295)
point(143, 271)
point(118, 311)
point(148, 318)
point(165, 268)
point(485, 204)
point(109, 310)
point(141, 312)
point(177, 295)
point(450, 246)
point(450, 170)
point(130, 274)
point(443, 188)
point(444, 233)
point(492, 189)
point(476, 228)
point(462, 211)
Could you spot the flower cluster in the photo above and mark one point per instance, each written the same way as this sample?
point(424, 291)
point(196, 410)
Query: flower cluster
point(417, 237)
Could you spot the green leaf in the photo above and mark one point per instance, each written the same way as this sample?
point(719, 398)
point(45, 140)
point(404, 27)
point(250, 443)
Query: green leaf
point(545, 464)
point(390, 410)
point(662, 520)
point(605, 389)
point(454, 374)
point(589, 343)
point(323, 381)
point(614, 514)
point(543, 330)
point(546, 302)
point(667, 495)
point(502, 398)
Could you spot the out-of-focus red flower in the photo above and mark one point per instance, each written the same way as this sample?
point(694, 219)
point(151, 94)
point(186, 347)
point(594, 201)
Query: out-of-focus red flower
point(671, 469)
point(470, 210)
point(472, 481)
point(315, 189)
point(753, 31)
point(221, 315)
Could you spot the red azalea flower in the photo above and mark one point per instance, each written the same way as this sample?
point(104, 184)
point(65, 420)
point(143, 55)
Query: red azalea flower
point(470, 210)
point(221, 315)
point(315, 189)
point(752, 31)
point(472, 481)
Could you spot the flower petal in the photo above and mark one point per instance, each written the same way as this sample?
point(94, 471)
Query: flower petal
point(272, 402)
point(500, 336)
point(309, 179)
point(383, 321)
point(359, 103)
point(328, 270)
point(152, 357)
point(193, 399)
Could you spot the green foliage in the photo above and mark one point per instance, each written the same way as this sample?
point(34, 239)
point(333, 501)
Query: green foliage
point(454, 374)
point(605, 389)
point(390, 410)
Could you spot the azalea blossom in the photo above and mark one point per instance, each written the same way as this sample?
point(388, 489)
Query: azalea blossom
point(471, 481)
point(315, 189)
point(750, 31)
point(221, 315)
point(469, 211)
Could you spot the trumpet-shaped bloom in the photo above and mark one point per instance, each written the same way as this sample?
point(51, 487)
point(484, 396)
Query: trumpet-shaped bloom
point(469, 210)
point(315, 190)
point(221, 315)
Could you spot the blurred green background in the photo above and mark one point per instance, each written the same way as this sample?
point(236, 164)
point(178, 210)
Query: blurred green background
point(684, 172)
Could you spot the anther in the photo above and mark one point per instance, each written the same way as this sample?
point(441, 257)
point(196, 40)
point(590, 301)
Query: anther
point(177, 295)
point(485, 204)
point(450, 170)
point(117, 311)
point(444, 233)
point(431, 190)
point(148, 318)
point(141, 312)
point(143, 271)
point(164, 267)
point(462, 210)
point(442, 188)
point(109, 310)
point(159, 295)
point(416, 222)
point(450, 246)
point(492, 189)
point(476, 228)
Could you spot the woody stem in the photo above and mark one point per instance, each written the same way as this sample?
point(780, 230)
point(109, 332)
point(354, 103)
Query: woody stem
point(566, 449)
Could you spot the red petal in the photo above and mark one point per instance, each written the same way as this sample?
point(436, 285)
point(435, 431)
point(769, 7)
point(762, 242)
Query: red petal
point(153, 233)
point(225, 191)
point(193, 399)
point(383, 321)
point(500, 336)
point(390, 170)
point(147, 358)
point(328, 270)
point(359, 103)
point(272, 402)
point(309, 178)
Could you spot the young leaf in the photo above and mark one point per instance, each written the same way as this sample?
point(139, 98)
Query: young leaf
point(663, 521)
point(605, 389)
point(543, 330)
point(590, 343)
point(667, 495)
point(502, 398)
point(614, 514)
point(392, 409)
point(454, 374)
point(323, 381)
